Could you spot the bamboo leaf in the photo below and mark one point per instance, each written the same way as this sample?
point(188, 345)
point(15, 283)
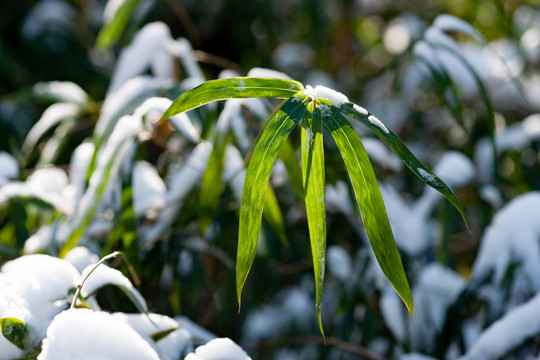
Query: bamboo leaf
point(15, 331)
point(369, 200)
point(243, 87)
point(314, 188)
point(288, 156)
point(395, 143)
point(258, 173)
point(112, 30)
point(272, 215)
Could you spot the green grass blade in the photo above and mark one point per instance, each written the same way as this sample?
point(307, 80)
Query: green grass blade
point(15, 331)
point(112, 31)
point(272, 215)
point(221, 89)
point(288, 156)
point(314, 188)
point(369, 200)
point(258, 173)
point(395, 143)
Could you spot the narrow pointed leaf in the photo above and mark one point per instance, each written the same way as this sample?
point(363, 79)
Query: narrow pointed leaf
point(15, 331)
point(395, 143)
point(258, 173)
point(288, 156)
point(232, 88)
point(314, 189)
point(113, 29)
point(369, 200)
point(273, 216)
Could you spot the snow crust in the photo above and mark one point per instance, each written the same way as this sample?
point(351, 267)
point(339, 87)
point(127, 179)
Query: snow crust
point(320, 91)
point(63, 91)
point(148, 190)
point(83, 334)
point(219, 349)
point(9, 169)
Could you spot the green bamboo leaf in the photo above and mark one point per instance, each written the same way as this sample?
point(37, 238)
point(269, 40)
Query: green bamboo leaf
point(112, 30)
point(288, 156)
point(369, 200)
point(15, 331)
point(211, 186)
point(394, 142)
point(232, 88)
point(258, 173)
point(272, 215)
point(314, 182)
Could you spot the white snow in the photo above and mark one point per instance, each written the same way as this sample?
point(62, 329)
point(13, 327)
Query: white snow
point(392, 311)
point(104, 275)
point(33, 289)
point(267, 73)
point(360, 109)
point(168, 347)
point(396, 37)
point(219, 349)
point(62, 91)
point(9, 169)
point(512, 236)
point(425, 175)
point(455, 169)
point(381, 154)
point(320, 91)
point(339, 262)
point(81, 257)
point(450, 23)
point(82, 334)
point(374, 121)
point(148, 190)
point(111, 8)
point(508, 332)
point(51, 117)
point(48, 16)
point(134, 59)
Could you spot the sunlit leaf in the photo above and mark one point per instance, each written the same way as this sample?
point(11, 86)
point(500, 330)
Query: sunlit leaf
point(395, 143)
point(243, 87)
point(272, 215)
point(15, 331)
point(314, 188)
point(369, 200)
point(112, 30)
point(257, 176)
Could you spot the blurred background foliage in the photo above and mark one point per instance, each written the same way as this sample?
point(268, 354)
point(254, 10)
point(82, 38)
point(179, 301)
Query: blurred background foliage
point(359, 47)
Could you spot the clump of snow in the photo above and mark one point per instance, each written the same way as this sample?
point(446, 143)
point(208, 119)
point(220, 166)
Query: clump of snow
point(360, 109)
point(338, 199)
point(450, 23)
point(219, 349)
point(267, 73)
point(320, 91)
point(82, 334)
point(146, 325)
point(455, 169)
point(508, 332)
point(104, 275)
point(81, 257)
point(425, 175)
point(34, 289)
point(339, 262)
point(51, 117)
point(512, 236)
point(9, 169)
point(374, 121)
point(381, 154)
point(148, 190)
point(63, 91)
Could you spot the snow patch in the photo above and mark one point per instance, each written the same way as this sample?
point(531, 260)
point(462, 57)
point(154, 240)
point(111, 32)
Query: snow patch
point(376, 122)
point(320, 91)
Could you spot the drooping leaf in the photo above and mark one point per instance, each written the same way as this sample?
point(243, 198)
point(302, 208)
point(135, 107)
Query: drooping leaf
point(258, 173)
point(288, 156)
point(314, 188)
point(395, 143)
point(112, 30)
point(272, 215)
point(369, 200)
point(242, 87)
point(15, 331)
point(160, 335)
